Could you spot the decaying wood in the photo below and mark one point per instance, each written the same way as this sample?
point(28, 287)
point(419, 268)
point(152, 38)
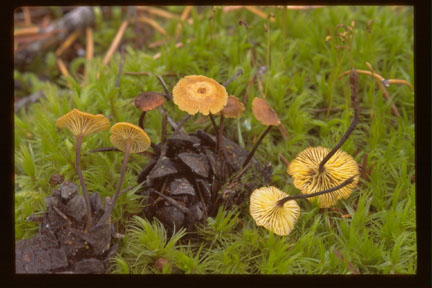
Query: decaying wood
point(79, 17)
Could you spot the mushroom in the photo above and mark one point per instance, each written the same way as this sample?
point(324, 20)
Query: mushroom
point(82, 124)
point(266, 211)
point(233, 109)
point(318, 168)
point(147, 101)
point(128, 138)
point(267, 116)
point(197, 93)
point(278, 212)
point(308, 178)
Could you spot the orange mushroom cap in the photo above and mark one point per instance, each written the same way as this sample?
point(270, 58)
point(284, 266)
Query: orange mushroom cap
point(123, 132)
point(264, 113)
point(148, 101)
point(197, 93)
point(82, 123)
point(304, 170)
point(267, 213)
point(234, 108)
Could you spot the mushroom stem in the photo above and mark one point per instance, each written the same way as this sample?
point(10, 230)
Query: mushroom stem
point(168, 95)
point(354, 99)
point(164, 136)
point(181, 123)
point(281, 202)
point(141, 120)
point(117, 193)
point(252, 152)
point(81, 178)
point(216, 131)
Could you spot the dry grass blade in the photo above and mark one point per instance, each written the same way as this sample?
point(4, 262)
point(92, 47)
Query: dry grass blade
point(284, 160)
point(67, 43)
point(152, 23)
point(156, 43)
point(349, 264)
point(387, 97)
point(27, 16)
point(231, 8)
point(115, 43)
point(283, 131)
point(259, 13)
point(62, 67)
point(89, 43)
point(183, 18)
point(400, 81)
point(157, 12)
point(26, 31)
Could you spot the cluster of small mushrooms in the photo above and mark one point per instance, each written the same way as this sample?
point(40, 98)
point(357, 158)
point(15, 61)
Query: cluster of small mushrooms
point(318, 173)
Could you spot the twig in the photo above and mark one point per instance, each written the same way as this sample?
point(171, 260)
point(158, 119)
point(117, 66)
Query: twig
point(238, 73)
point(77, 18)
point(259, 13)
point(284, 160)
point(26, 31)
point(89, 43)
point(157, 12)
point(67, 42)
point(181, 123)
point(62, 215)
point(62, 67)
point(168, 95)
point(152, 23)
point(27, 100)
point(115, 42)
point(183, 17)
point(27, 16)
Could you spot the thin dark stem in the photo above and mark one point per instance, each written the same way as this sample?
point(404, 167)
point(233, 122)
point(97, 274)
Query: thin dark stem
point(221, 140)
point(238, 73)
point(354, 99)
point(168, 95)
point(171, 122)
point(304, 196)
point(216, 129)
point(81, 178)
point(173, 202)
point(252, 152)
point(104, 149)
point(117, 193)
point(181, 123)
point(141, 120)
point(164, 135)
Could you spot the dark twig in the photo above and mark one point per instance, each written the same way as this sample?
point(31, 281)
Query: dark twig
point(252, 152)
point(238, 73)
point(354, 99)
point(168, 95)
point(27, 100)
point(164, 136)
point(181, 123)
point(304, 196)
point(141, 120)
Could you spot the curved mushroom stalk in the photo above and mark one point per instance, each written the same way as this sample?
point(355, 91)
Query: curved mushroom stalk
point(82, 124)
point(128, 138)
point(267, 116)
point(354, 99)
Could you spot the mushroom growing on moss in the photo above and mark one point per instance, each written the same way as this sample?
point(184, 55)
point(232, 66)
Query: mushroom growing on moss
point(128, 138)
point(266, 116)
point(147, 101)
point(266, 212)
point(82, 124)
point(318, 168)
point(277, 211)
point(307, 177)
point(197, 93)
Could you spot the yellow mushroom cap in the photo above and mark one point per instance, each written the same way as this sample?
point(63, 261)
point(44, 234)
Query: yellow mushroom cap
point(123, 132)
point(81, 123)
point(197, 93)
point(264, 113)
point(265, 211)
point(148, 101)
point(234, 108)
point(304, 170)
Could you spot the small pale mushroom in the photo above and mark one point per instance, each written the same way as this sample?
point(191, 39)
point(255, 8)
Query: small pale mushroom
point(277, 211)
point(82, 124)
point(266, 211)
point(308, 178)
point(128, 138)
point(266, 116)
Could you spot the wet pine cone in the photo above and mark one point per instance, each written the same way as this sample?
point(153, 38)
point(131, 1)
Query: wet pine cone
point(190, 182)
point(61, 245)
